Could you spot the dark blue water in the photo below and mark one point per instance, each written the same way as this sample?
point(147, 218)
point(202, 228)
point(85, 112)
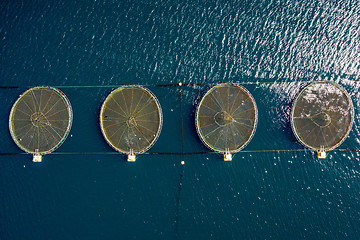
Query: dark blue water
point(273, 48)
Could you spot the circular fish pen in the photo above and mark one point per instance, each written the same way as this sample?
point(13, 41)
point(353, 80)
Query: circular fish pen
point(40, 120)
point(226, 118)
point(322, 116)
point(131, 119)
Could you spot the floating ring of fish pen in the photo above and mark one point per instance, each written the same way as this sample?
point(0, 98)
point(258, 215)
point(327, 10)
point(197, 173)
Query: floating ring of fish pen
point(131, 119)
point(226, 118)
point(322, 116)
point(40, 120)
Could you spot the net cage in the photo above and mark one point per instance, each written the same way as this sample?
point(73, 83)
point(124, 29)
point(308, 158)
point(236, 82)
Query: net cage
point(40, 120)
point(322, 116)
point(226, 118)
point(131, 119)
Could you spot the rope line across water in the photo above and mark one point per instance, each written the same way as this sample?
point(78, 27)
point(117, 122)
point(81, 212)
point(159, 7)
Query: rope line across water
point(154, 85)
point(180, 153)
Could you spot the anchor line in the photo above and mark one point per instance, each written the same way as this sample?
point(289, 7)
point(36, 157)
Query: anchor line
point(178, 202)
point(161, 85)
point(184, 153)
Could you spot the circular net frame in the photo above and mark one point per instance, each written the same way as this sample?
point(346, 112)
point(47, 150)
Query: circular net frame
point(131, 119)
point(322, 116)
point(226, 118)
point(40, 120)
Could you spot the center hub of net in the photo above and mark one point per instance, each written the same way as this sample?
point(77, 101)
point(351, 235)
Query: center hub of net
point(223, 118)
point(321, 119)
point(38, 119)
point(131, 122)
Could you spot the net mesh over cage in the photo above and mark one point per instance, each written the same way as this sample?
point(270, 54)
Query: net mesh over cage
point(322, 116)
point(131, 119)
point(226, 118)
point(40, 120)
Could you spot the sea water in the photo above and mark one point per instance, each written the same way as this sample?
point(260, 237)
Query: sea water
point(273, 189)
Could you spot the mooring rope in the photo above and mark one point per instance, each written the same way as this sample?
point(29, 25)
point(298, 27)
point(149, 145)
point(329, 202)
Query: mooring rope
point(183, 153)
point(178, 200)
point(159, 85)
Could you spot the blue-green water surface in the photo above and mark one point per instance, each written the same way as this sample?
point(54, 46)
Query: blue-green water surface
point(273, 189)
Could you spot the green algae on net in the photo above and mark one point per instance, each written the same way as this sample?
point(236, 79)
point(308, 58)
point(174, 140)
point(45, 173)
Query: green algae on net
point(226, 118)
point(322, 116)
point(40, 120)
point(131, 119)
